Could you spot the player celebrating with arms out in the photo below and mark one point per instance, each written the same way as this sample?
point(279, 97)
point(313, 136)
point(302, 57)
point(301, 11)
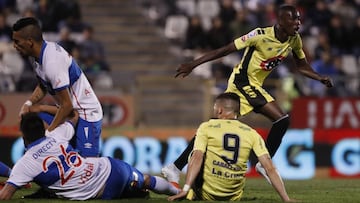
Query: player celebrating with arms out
point(264, 48)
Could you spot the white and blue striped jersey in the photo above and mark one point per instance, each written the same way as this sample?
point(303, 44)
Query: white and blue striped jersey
point(51, 162)
point(56, 70)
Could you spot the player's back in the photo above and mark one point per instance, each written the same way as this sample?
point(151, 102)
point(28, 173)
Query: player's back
point(57, 70)
point(51, 162)
point(229, 143)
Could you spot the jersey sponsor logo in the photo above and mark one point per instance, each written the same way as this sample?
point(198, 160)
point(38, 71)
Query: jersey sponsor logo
point(249, 35)
point(270, 64)
point(44, 148)
point(88, 171)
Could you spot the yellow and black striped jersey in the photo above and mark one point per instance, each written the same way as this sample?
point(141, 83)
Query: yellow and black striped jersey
point(264, 52)
point(227, 145)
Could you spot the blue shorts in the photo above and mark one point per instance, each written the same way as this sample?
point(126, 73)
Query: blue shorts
point(87, 136)
point(124, 181)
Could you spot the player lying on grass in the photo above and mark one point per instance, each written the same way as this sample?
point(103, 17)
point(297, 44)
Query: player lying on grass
point(55, 166)
point(218, 163)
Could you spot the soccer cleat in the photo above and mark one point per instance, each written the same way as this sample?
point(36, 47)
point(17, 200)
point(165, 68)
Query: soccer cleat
point(260, 169)
point(171, 173)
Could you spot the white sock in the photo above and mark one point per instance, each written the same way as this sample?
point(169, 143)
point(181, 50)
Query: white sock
point(162, 186)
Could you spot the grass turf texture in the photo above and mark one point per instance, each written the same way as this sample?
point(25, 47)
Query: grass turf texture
point(257, 190)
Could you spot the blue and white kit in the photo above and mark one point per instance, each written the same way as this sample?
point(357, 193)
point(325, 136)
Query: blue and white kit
point(57, 70)
point(51, 162)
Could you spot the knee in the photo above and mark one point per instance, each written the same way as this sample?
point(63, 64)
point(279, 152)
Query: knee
point(283, 121)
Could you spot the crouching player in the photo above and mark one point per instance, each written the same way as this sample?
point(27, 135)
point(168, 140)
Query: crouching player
point(56, 167)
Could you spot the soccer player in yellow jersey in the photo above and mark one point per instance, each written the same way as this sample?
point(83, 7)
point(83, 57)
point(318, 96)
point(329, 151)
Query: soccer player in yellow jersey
point(221, 152)
point(265, 48)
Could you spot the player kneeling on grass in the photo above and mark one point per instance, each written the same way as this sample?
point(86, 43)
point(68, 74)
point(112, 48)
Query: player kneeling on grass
point(55, 166)
point(218, 163)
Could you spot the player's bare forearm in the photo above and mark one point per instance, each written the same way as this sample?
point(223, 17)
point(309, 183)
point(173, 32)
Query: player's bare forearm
point(37, 95)
point(61, 116)
point(194, 167)
point(215, 54)
point(192, 172)
point(65, 108)
point(274, 176)
point(186, 68)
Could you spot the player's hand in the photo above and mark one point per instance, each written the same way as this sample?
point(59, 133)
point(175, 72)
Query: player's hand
point(184, 70)
point(326, 80)
point(181, 195)
point(24, 109)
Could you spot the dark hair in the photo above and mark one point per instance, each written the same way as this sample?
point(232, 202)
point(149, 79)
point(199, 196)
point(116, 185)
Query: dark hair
point(32, 127)
point(285, 8)
point(30, 26)
point(233, 97)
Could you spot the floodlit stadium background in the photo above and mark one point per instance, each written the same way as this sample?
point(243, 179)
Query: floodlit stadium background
point(150, 115)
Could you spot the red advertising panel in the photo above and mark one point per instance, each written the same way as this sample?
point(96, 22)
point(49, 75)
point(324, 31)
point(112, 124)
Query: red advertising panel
point(326, 113)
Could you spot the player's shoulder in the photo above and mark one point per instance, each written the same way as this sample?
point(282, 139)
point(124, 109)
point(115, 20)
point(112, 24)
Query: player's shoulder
point(244, 127)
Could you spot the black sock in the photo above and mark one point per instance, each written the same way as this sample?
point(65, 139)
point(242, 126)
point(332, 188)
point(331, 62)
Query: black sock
point(182, 160)
point(276, 134)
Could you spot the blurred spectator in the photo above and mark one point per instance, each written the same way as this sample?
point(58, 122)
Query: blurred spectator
point(338, 36)
point(45, 12)
point(218, 35)
point(195, 37)
point(11, 67)
point(354, 37)
point(322, 46)
point(346, 11)
point(5, 30)
point(341, 79)
point(323, 66)
point(227, 11)
point(220, 73)
point(90, 47)
point(65, 41)
point(319, 16)
point(92, 58)
point(93, 68)
point(22, 5)
point(241, 25)
point(29, 12)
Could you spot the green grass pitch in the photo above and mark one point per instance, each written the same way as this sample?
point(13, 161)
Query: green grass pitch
point(256, 190)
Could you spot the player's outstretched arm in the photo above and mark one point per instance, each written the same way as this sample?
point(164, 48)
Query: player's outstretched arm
point(275, 178)
point(186, 68)
point(305, 69)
